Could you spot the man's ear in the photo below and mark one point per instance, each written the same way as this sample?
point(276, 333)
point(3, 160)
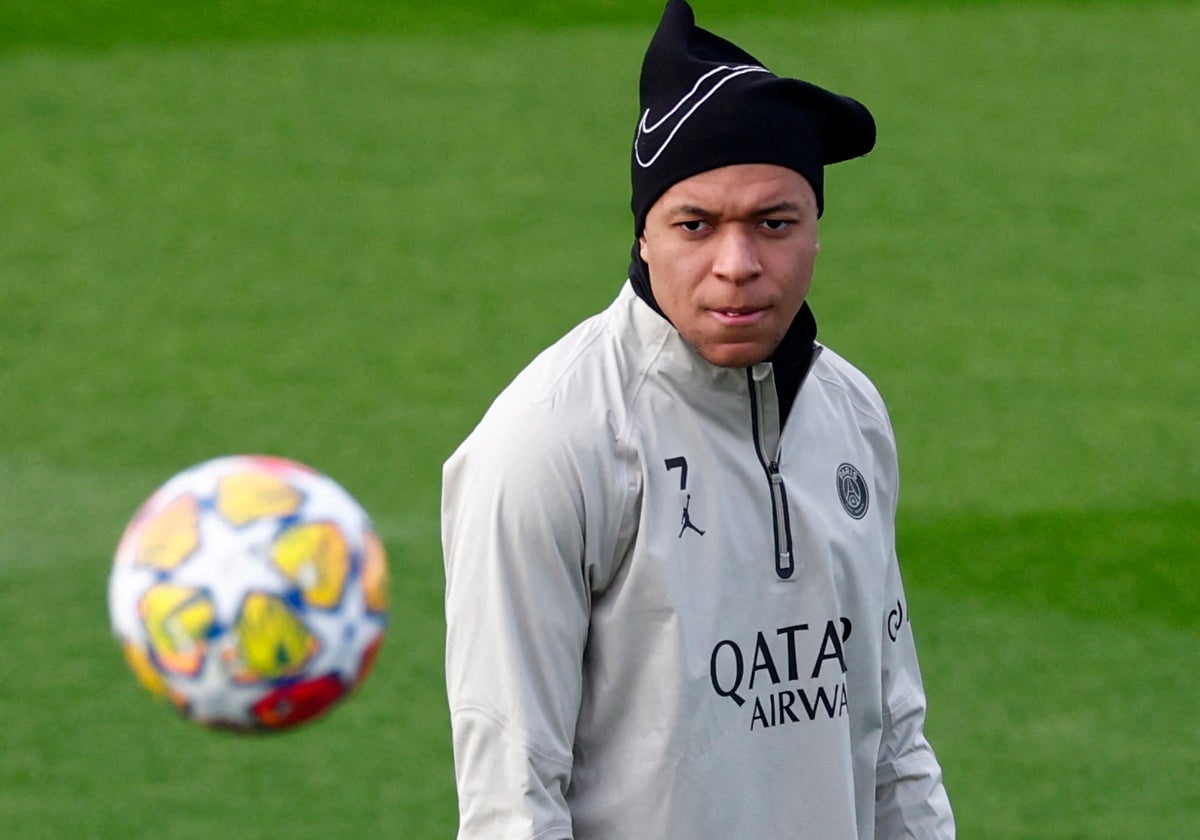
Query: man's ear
point(642, 247)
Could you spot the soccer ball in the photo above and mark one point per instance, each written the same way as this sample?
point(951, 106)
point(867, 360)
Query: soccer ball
point(250, 592)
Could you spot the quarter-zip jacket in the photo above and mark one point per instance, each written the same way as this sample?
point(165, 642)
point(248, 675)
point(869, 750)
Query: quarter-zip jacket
point(670, 619)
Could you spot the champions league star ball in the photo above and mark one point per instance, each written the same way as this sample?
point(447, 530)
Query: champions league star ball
point(250, 592)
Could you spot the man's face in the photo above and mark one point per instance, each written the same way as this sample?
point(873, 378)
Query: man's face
point(731, 255)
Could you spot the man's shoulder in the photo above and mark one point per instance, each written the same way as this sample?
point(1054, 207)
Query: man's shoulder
point(832, 370)
point(577, 387)
point(568, 365)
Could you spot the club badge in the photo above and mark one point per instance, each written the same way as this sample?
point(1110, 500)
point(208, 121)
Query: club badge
point(852, 491)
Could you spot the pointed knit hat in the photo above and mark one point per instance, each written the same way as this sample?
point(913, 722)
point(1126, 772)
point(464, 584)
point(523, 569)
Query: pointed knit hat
point(707, 103)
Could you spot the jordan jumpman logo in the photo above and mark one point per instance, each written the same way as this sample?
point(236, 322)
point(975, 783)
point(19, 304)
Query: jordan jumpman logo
point(687, 519)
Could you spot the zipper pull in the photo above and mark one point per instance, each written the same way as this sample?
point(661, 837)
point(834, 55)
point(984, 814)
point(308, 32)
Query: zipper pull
point(784, 567)
point(783, 563)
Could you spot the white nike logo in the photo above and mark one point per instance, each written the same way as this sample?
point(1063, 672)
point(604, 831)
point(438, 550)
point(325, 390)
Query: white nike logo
point(693, 97)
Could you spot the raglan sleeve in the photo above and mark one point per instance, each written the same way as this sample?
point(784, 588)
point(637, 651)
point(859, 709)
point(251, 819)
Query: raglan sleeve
point(910, 797)
point(517, 604)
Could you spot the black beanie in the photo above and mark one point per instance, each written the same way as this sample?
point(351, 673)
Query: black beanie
point(707, 103)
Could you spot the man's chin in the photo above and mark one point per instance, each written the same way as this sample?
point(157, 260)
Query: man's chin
point(736, 354)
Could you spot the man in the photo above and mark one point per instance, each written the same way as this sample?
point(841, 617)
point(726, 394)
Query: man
point(673, 605)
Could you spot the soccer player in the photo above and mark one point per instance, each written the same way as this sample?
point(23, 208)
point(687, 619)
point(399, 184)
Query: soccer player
point(673, 604)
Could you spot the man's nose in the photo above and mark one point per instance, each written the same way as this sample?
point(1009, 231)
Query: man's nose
point(736, 259)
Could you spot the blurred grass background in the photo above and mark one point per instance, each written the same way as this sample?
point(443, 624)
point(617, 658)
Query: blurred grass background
point(334, 231)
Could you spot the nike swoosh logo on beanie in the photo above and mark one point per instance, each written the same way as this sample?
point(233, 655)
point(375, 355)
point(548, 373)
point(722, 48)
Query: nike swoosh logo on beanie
point(705, 87)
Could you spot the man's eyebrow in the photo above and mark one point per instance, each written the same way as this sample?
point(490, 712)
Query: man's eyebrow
point(691, 210)
point(781, 207)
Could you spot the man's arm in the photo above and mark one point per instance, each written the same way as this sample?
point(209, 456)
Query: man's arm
point(910, 799)
point(517, 607)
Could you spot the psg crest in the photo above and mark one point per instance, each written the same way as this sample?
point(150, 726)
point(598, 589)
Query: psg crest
point(852, 491)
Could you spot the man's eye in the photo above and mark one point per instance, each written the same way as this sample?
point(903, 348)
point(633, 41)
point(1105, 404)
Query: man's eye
point(693, 225)
point(777, 224)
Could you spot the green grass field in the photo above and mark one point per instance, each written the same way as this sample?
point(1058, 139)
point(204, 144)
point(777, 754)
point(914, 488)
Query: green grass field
point(334, 231)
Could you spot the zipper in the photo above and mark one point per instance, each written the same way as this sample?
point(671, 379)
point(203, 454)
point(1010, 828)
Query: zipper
point(785, 565)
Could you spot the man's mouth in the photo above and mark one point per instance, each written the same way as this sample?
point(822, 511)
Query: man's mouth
point(737, 316)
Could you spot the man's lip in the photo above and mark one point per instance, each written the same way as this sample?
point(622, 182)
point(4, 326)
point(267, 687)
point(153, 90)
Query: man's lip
point(737, 315)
